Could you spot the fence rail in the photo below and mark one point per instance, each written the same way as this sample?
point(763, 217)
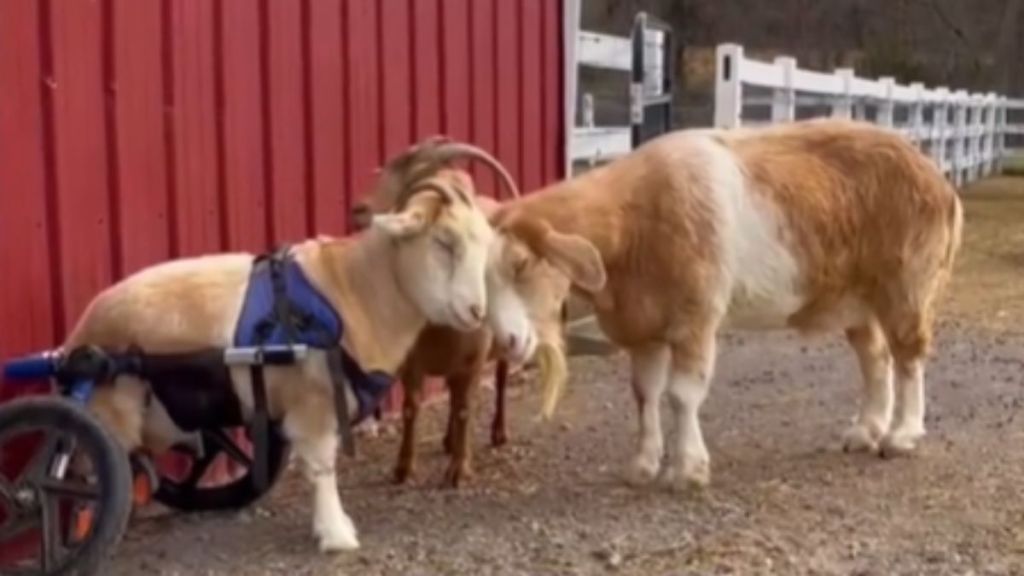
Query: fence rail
point(967, 134)
point(646, 56)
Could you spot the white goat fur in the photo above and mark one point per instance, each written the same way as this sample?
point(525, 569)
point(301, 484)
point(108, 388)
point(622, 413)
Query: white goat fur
point(386, 284)
point(814, 225)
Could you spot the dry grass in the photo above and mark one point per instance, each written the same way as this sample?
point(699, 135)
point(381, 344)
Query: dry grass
point(1014, 166)
point(988, 283)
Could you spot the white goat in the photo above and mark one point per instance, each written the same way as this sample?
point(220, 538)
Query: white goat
point(423, 263)
point(814, 225)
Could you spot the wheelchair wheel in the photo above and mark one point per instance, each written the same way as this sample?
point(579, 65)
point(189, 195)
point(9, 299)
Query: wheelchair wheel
point(191, 492)
point(68, 501)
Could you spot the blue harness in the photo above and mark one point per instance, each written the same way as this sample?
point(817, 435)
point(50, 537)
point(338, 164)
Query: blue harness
point(281, 306)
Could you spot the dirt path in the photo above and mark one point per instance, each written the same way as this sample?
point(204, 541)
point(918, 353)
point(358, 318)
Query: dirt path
point(784, 499)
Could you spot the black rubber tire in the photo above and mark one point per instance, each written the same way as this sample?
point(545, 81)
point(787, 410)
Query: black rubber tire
point(236, 494)
point(111, 467)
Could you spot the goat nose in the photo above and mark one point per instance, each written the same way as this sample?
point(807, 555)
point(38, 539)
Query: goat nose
point(477, 312)
point(510, 343)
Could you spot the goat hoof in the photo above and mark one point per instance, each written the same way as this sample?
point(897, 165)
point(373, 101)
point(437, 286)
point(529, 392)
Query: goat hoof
point(341, 537)
point(899, 443)
point(858, 438)
point(686, 477)
point(403, 475)
point(455, 476)
point(641, 472)
point(338, 545)
point(499, 438)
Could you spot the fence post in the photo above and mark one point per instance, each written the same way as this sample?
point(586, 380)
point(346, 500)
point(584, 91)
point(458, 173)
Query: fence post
point(990, 133)
point(570, 31)
point(917, 113)
point(959, 136)
point(843, 107)
point(940, 121)
point(637, 94)
point(886, 105)
point(728, 86)
point(994, 134)
point(979, 136)
point(974, 139)
point(1000, 133)
point(784, 99)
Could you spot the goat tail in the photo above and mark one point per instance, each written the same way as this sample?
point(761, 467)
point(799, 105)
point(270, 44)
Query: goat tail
point(554, 373)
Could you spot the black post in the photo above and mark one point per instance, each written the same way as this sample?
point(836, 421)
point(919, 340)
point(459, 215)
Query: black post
point(650, 116)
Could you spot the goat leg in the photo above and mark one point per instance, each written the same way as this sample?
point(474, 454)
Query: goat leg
point(453, 411)
point(412, 382)
point(499, 432)
point(462, 389)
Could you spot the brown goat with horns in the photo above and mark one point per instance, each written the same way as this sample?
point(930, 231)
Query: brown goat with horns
point(459, 357)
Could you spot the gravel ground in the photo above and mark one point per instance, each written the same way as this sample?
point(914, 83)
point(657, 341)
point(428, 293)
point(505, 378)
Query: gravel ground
point(784, 499)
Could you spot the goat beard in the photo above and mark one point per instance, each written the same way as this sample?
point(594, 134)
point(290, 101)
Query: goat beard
point(554, 373)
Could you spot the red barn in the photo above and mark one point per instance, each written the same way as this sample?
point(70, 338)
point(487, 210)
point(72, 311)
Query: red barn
point(133, 131)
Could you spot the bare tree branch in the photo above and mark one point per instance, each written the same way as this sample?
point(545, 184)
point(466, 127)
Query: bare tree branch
point(957, 31)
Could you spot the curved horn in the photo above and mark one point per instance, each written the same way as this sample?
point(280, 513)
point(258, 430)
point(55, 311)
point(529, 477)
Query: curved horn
point(446, 194)
point(445, 152)
point(398, 176)
point(421, 151)
point(394, 177)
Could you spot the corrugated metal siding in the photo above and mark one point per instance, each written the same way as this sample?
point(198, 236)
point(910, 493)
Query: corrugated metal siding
point(132, 131)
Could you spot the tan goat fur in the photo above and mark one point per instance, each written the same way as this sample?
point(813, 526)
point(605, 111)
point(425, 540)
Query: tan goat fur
point(815, 225)
point(386, 283)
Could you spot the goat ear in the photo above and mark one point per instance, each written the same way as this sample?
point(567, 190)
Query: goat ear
point(419, 213)
point(401, 225)
point(577, 258)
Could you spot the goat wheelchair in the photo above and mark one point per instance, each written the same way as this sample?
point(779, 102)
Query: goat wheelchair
point(68, 488)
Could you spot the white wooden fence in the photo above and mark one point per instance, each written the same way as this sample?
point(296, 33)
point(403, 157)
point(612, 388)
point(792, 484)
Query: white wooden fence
point(644, 57)
point(965, 133)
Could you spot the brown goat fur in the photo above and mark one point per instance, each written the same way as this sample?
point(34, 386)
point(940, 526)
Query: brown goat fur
point(461, 357)
point(815, 225)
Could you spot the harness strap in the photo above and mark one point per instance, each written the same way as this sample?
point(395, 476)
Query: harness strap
point(260, 430)
point(280, 316)
point(292, 320)
point(283, 312)
point(340, 381)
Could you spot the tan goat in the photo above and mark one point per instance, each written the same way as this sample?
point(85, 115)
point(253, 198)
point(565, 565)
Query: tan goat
point(814, 225)
point(423, 263)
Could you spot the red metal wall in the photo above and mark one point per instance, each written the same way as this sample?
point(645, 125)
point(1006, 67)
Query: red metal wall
point(132, 131)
